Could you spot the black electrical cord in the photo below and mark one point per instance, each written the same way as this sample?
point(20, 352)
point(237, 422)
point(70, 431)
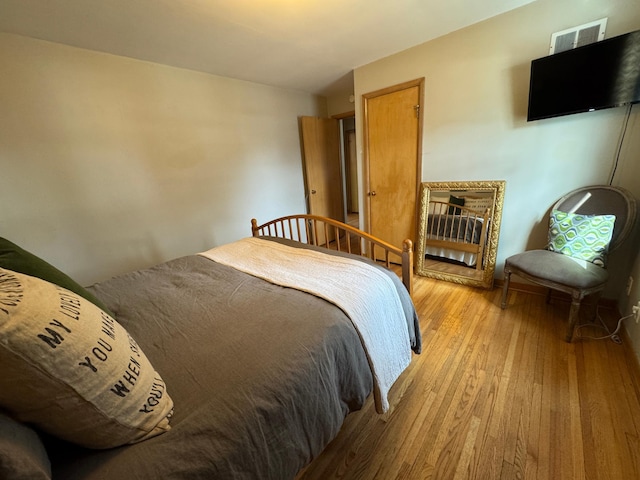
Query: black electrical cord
point(619, 149)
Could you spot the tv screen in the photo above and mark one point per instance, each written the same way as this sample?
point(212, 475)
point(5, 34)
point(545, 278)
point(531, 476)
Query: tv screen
point(600, 75)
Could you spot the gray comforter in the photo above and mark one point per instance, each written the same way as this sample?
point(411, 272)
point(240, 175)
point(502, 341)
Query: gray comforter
point(262, 376)
point(455, 228)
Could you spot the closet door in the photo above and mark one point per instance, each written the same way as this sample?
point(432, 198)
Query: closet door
point(393, 136)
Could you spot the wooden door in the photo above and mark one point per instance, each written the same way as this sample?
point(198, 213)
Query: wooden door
point(393, 137)
point(321, 161)
point(321, 150)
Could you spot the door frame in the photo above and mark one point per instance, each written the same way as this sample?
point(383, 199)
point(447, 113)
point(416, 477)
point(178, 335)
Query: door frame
point(366, 201)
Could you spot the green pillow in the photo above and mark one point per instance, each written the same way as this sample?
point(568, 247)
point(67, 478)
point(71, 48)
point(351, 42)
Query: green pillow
point(455, 201)
point(12, 257)
point(586, 237)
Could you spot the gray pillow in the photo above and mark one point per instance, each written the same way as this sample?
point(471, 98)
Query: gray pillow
point(22, 454)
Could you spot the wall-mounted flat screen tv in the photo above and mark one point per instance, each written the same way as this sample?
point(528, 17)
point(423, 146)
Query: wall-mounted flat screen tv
point(600, 75)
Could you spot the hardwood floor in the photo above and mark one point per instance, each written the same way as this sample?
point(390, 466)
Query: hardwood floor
point(353, 219)
point(497, 394)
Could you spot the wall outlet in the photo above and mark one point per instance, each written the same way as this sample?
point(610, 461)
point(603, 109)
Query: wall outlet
point(629, 285)
point(636, 311)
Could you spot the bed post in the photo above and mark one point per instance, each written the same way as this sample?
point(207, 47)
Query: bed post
point(254, 227)
point(407, 265)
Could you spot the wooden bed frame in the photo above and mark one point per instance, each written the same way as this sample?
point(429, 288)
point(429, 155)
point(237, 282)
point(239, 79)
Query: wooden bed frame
point(313, 229)
point(454, 240)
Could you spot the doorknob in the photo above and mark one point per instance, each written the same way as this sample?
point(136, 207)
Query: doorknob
point(313, 192)
point(372, 194)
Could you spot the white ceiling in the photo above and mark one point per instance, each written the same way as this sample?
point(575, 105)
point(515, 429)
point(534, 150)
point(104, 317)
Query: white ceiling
point(308, 45)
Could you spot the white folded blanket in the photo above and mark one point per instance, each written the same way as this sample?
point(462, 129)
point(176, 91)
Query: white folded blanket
point(367, 295)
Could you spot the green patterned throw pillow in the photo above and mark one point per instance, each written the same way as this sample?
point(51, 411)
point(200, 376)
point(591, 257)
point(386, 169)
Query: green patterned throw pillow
point(585, 237)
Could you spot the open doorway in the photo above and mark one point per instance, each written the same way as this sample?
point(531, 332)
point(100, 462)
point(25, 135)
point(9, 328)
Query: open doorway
point(329, 156)
point(351, 172)
point(349, 166)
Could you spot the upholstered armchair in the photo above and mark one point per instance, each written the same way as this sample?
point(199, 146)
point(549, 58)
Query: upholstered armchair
point(585, 225)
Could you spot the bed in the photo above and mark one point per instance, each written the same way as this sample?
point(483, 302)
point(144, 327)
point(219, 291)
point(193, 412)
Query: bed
point(251, 376)
point(458, 232)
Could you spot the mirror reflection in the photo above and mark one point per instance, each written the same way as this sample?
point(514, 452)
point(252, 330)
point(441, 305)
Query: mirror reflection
point(459, 230)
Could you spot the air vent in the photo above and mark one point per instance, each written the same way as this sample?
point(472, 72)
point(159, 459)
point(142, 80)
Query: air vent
point(578, 36)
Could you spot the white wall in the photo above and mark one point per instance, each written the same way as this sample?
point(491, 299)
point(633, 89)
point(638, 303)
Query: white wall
point(630, 178)
point(475, 128)
point(340, 103)
point(110, 164)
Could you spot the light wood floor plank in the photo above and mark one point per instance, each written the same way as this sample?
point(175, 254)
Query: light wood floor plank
point(497, 394)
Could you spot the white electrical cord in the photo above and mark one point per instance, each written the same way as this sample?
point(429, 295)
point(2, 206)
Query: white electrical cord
point(612, 335)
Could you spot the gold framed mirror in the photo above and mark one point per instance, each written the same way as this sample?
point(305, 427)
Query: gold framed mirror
point(458, 231)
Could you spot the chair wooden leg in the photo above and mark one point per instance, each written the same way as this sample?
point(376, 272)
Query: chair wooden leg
point(505, 289)
point(573, 317)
